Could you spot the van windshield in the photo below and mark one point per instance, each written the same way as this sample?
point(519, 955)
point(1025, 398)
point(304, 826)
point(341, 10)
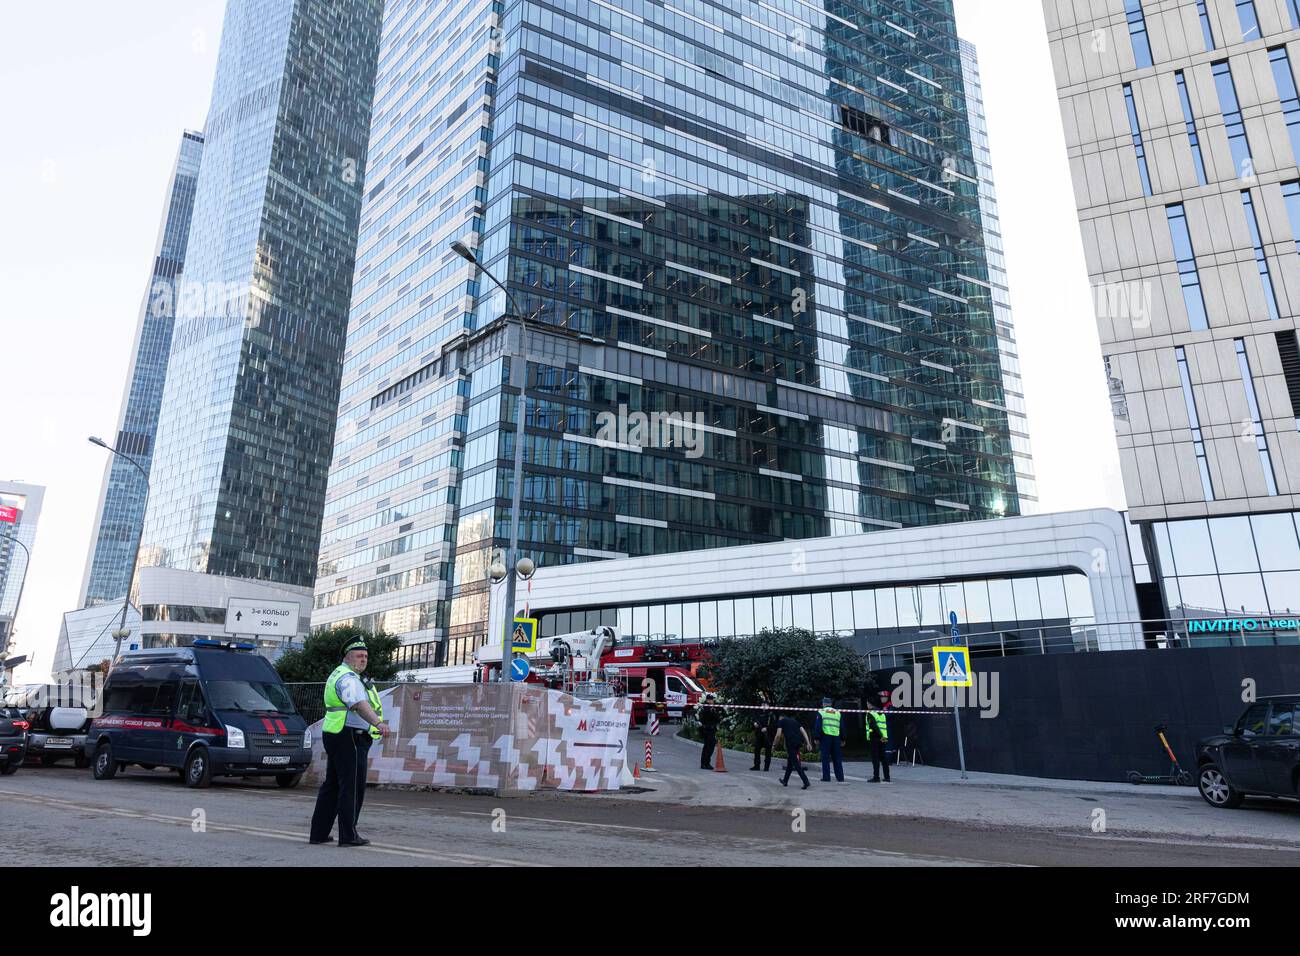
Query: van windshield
point(250, 696)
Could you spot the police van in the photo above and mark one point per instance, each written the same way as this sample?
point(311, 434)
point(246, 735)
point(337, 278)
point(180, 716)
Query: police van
point(210, 710)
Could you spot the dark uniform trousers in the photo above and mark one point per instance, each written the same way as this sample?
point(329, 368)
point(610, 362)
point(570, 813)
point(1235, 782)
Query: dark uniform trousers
point(762, 745)
point(710, 735)
point(878, 758)
point(344, 788)
point(794, 765)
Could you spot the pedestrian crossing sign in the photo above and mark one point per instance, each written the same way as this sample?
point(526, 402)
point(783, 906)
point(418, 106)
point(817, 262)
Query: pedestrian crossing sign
point(952, 666)
point(523, 635)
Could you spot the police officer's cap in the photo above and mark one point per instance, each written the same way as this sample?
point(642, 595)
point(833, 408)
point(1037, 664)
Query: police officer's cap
point(358, 644)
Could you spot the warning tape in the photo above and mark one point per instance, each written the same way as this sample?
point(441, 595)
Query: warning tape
point(945, 712)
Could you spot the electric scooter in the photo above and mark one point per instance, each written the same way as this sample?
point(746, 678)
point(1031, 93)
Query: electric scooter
point(1176, 775)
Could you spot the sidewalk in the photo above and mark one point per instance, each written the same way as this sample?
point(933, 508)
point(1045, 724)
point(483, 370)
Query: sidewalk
point(995, 801)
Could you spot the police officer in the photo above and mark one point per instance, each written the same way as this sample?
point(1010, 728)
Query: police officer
point(828, 731)
point(764, 728)
point(877, 734)
point(354, 718)
point(710, 717)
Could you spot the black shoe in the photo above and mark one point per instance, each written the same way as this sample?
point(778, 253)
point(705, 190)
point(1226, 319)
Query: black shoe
point(357, 841)
point(887, 780)
point(874, 780)
point(806, 786)
point(754, 768)
point(785, 783)
point(328, 839)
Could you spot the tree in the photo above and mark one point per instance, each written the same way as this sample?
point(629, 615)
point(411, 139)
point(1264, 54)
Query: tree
point(323, 650)
point(787, 666)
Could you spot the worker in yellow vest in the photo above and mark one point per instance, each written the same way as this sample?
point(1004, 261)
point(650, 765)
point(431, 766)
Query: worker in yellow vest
point(828, 732)
point(877, 734)
point(354, 718)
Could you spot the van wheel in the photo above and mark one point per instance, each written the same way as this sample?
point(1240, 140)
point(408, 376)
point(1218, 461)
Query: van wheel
point(105, 767)
point(198, 768)
point(1216, 790)
point(288, 780)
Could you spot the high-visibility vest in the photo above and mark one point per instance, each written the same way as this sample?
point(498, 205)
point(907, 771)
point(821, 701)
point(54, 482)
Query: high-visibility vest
point(877, 719)
point(336, 712)
point(830, 721)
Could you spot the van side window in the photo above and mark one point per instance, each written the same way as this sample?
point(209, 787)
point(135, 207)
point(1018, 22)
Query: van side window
point(675, 685)
point(130, 698)
point(191, 709)
point(165, 699)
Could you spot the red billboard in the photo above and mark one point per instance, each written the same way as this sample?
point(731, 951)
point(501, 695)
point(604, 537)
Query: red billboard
point(8, 513)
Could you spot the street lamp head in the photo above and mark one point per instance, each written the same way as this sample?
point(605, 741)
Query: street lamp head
point(497, 570)
point(525, 567)
point(98, 441)
point(463, 251)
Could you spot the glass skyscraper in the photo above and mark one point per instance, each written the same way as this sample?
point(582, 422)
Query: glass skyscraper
point(121, 505)
point(748, 242)
point(247, 417)
point(20, 512)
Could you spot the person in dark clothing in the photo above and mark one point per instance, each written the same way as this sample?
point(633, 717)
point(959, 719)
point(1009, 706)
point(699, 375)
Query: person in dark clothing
point(710, 717)
point(877, 734)
point(764, 728)
point(793, 733)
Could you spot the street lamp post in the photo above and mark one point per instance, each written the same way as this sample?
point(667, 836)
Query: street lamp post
point(519, 361)
point(22, 583)
point(122, 631)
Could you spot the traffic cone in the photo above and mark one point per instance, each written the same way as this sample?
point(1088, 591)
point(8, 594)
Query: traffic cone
point(718, 765)
point(636, 771)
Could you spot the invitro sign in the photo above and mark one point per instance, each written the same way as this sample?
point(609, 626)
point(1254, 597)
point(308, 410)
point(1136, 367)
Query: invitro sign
point(1233, 625)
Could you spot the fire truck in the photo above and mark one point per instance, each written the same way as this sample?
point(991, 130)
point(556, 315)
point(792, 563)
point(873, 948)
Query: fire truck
point(596, 663)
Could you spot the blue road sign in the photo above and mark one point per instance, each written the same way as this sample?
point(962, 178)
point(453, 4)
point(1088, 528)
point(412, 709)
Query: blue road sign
point(519, 669)
point(952, 619)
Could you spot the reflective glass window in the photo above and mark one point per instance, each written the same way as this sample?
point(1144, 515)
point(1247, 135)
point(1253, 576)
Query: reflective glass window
point(932, 612)
point(762, 614)
point(1280, 719)
point(782, 611)
point(1193, 553)
point(803, 611)
point(821, 612)
point(1234, 547)
point(1078, 597)
point(744, 611)
point(691, 619)
point(708, 619)
point(1276, 542)
point(1051, 593)
point(977, 602)
point(656, 625)
point(842, 610)
point(1200, 593)
point(1243, 594)
point(1002, 601)
point(726, 619)
point(1254, 721)
point(886, 609)
point(864, 610)
point(909, 607)
point(1027, 604)
point(673, 620)
point(1283, 588)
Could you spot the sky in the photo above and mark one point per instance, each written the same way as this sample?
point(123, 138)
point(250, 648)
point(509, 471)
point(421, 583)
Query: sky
point(101, 93)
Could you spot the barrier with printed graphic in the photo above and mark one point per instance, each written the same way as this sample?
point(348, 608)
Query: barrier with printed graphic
point(495, 736)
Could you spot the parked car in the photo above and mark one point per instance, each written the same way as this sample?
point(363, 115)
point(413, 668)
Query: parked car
point(13, 739)
point(1258, 756)
point(58, 733)
point(213, 709)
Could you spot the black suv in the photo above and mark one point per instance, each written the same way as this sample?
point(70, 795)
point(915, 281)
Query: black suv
point(1258, 756)
point(13, 739)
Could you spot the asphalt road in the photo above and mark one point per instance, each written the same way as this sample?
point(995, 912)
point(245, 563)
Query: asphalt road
point(62, 816)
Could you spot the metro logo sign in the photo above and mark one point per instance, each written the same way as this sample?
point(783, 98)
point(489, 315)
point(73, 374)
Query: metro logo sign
point(8, 513)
